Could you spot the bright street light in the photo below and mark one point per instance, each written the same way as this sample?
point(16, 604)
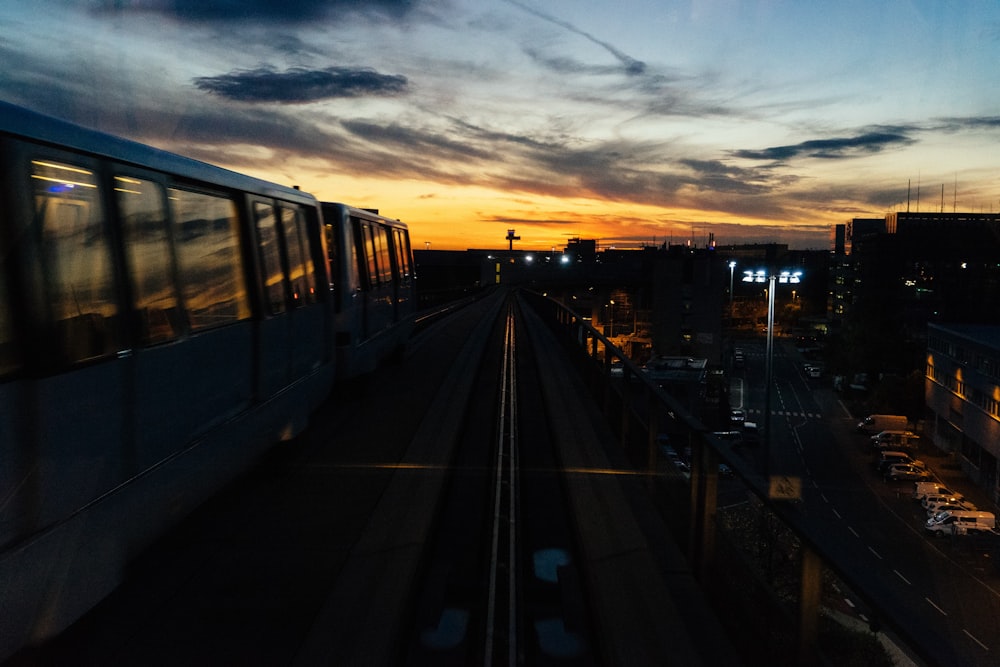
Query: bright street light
point(784, 488)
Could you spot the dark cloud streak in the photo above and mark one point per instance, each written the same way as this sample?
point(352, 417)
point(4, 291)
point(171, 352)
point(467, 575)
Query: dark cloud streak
point(281, 11)
point(837, 148)
point(300, 85)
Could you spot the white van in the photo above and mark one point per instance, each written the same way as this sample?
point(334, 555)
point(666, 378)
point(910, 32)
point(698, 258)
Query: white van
point(921, 489)
point(895, 440)
point(960, 522)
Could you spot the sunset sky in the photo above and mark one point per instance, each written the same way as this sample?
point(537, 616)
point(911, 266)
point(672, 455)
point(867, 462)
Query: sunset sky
point(630, 122)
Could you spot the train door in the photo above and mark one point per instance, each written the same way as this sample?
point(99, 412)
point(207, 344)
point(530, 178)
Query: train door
point(274, 328)
point(404, 296)
point(71, 439)
point(184, 268)
point(217, 351)
point(300, 231)
point(291, 333)
point(379, 304)
point(160, 412)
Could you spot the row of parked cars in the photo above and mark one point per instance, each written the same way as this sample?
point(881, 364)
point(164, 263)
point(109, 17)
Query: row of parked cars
point(897, 466)
point(949, 513)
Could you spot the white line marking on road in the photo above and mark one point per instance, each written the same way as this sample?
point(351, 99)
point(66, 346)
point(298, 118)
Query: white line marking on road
point(854, 531)
point(903, 578)
point(877, 554)
point(943, 612)
point(970, 636)
point(837, 514)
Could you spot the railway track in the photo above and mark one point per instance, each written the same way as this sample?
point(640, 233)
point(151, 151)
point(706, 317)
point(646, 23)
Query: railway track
point(503, 586)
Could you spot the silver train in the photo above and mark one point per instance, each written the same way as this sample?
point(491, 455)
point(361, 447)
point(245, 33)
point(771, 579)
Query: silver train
point(163, 322)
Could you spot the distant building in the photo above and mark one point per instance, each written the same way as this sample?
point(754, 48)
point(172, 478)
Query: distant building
point(688, 285)
point(584, 250)
point(906, 270)
point(859, 229)
point(963, 395)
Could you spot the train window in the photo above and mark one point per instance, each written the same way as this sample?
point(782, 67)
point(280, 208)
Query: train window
point(300, 263)
point(384, 257)
point(270, 257)
point(370, 254)
point(76, 261)
point(402, 245)
point(209, 259)
point(142, 207)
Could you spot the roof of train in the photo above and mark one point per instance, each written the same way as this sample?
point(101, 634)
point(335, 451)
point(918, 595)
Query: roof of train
point(21, 122)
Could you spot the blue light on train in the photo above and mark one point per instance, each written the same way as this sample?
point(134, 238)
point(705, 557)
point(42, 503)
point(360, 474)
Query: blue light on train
point(61, 187)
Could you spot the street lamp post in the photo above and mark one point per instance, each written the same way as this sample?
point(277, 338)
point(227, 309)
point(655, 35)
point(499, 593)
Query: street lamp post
point(778, 488)
point(732, 266)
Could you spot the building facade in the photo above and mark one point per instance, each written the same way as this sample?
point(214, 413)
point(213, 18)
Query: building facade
point(962, 390)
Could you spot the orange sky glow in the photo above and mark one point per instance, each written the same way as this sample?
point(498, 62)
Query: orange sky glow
point(630, 124)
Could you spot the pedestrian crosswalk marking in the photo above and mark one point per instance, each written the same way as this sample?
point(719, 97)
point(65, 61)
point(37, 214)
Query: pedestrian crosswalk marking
point(786, 413)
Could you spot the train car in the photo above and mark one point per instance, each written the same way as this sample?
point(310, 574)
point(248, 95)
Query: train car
point(162, 323)
point(371, 264)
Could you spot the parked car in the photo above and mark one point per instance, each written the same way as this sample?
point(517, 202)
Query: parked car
point(888, 458)
point(906, 471)
point(729, 437)
point(945, 506)
point(934, 498)
point(960, 523)
point(737, 415)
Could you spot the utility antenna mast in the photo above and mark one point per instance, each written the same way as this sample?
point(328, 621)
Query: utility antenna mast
point(510, 239)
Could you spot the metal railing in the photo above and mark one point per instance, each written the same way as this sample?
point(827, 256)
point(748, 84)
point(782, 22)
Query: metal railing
point(764, 565)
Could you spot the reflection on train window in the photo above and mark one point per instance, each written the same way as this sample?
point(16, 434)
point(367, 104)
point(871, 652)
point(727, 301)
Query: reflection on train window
point(270, 257)
point(370, 255)
point(142, 207)
point(300, 264)
point(384, 261)
point(76, 261)
point(208, 258)
point(402, 254)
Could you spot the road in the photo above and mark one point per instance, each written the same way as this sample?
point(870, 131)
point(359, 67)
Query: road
point(946, 589)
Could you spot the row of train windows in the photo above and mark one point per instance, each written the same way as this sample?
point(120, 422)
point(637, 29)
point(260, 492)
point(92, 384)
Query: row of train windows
point(378, 251)
point(182, 249)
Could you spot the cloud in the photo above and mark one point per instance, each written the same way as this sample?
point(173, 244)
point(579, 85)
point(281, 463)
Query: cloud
point(282, 11)
point(838, 148)
point(971, 123)
point(718, 176)
point(299, 85)
point(398, 140)
point(632, 66)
